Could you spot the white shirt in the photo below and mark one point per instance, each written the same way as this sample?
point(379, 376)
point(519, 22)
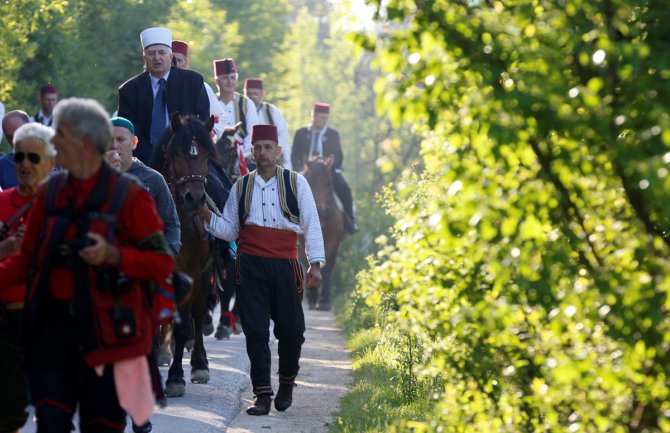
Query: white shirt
point(41, 118)
point(214, 108)
point(265, 211)
point(229, 119)
point(282, 131)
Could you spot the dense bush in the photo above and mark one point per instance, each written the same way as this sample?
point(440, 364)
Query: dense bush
point(531, 256)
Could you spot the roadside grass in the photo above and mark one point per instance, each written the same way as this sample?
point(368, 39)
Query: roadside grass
point(375, 401)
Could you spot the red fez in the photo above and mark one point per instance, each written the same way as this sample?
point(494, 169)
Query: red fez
point(180, 47)
point(224, 67)
point(253, 83)
point(322, 107)
point(264, 132)
point(48, 89)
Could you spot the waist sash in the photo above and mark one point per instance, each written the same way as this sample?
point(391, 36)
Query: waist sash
point(268, 242)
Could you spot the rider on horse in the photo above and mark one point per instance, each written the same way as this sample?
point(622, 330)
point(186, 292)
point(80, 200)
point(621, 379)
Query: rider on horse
point(317, 139)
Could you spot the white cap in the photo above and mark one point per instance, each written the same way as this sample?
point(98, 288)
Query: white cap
point(156, 35)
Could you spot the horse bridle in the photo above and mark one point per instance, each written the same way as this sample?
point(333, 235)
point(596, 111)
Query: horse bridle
point(173, 184)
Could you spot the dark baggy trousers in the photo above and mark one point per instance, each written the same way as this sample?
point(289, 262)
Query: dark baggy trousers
point(267, 290)
point(343, 193)
point(60, 380)
point(14, 395)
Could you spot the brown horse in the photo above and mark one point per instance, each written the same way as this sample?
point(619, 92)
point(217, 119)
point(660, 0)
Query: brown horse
point(318, 173)
point(183, 161)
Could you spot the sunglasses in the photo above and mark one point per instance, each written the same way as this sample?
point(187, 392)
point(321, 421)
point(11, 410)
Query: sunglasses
point(32, 157)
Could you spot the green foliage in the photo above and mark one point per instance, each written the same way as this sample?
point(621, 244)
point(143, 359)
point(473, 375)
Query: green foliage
point(532, 253)
point(376, 396)
point(205, 27)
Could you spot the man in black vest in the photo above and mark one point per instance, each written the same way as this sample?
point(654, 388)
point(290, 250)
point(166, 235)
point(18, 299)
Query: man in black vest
point(48, 100)
point(236, 109)
point(149, 98)
point(317, 139)
point(271, 207)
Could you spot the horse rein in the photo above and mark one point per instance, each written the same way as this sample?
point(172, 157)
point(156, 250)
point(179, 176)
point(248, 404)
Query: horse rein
point(172, 183)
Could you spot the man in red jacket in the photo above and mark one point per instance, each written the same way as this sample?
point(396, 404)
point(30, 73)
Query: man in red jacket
point(92, 235)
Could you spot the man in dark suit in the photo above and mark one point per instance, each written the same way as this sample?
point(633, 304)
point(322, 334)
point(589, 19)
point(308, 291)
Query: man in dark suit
point(148, 98)
point(316, 139)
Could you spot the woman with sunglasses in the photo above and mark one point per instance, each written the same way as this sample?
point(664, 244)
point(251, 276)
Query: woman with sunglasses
point(34, 155)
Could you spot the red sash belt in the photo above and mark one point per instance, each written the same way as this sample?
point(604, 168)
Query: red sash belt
point(268, 242)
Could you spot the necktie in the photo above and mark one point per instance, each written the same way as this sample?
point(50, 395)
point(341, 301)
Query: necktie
point(158, 118)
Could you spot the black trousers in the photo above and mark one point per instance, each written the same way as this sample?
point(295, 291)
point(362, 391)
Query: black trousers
point(343, 192)
point(268, 290)
point(60, 380)
point(14, 395)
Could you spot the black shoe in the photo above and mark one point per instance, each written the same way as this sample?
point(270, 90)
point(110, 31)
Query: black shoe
point(350, 225)
point(284, 396)
point(222, 331)
point(144, 428)
point(261, 405)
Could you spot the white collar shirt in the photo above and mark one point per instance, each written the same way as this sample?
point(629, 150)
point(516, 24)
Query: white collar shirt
point(265, 211)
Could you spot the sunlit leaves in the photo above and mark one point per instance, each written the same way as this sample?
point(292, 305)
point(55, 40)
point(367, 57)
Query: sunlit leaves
point(538, 240)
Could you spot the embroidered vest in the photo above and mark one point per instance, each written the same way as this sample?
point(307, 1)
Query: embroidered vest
point(267, 112)
point(241, 113)
point(287, 183)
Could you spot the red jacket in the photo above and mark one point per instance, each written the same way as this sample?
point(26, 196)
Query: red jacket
point(137, 224)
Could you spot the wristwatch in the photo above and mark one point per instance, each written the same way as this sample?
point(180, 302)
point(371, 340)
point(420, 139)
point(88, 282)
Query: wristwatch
point(321, 264)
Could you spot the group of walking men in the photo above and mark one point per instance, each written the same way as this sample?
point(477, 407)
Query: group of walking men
point(81, 250)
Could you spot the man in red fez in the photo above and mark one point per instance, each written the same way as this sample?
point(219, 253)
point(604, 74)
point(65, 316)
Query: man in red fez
point(267, 214)
point(269, 114)
point(182, 60)
point(47, 100)
point(317, 139)
point(238, 110)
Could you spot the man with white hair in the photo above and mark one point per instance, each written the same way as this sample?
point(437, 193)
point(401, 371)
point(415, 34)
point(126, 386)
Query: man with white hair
point(149, 98)
point(35, 157)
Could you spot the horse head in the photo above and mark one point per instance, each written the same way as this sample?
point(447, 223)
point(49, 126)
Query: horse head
point(318, 171)
point(187, 148)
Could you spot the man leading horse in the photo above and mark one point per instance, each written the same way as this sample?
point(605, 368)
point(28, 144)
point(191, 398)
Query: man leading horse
point(271, 207)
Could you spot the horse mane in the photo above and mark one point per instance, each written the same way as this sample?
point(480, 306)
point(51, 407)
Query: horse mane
point(172, 143)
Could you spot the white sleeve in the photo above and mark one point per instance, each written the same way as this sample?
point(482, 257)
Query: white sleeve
point(309, 221)
point(282, 132)
point(227, 226)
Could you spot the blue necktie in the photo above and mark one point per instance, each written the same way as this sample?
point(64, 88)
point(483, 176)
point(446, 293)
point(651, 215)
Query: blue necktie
point(158, 120)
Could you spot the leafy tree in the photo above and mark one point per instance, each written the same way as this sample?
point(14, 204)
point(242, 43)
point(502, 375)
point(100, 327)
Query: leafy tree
point(262, 26)
point(531, 255)
point(205, 26)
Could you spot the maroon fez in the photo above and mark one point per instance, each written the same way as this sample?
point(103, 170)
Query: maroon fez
point(180, 47)
point(253, 83)
point(224, 66)
point(264, 132)
point(48, 89)
point(321, 107)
